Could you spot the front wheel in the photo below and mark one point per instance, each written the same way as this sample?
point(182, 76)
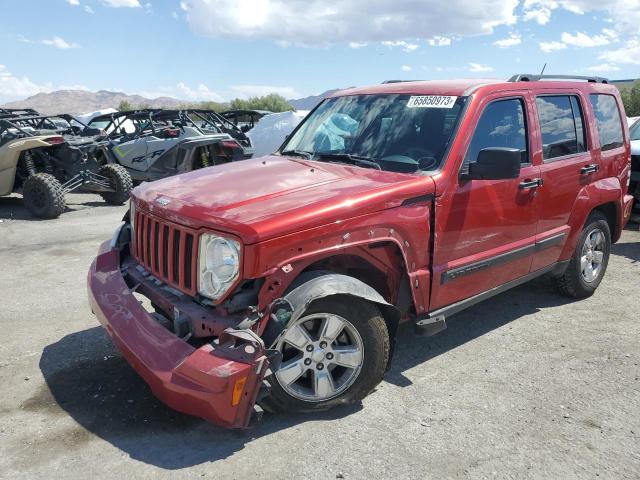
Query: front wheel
point(335, 353)
point(43, 195)
point(590, 259)
point(120, 181)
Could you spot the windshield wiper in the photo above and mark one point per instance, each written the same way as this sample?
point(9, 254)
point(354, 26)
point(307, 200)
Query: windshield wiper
point(355, 159)
point(299, 153)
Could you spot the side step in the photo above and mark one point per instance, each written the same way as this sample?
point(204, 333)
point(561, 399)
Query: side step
point(428, 326)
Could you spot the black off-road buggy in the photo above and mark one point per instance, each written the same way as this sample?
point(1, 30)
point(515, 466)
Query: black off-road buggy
point(45, 157)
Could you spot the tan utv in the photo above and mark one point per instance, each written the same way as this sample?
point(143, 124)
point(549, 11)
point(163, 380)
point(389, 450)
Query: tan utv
point(45, 157)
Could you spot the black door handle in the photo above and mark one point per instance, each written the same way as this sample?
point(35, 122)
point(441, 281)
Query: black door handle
point(535, 183)
point(589, 169)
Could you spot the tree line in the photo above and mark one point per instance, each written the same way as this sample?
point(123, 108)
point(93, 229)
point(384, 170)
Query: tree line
point(631, 99)
point(272, 102)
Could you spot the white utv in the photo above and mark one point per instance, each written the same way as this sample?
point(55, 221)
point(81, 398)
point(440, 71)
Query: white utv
point(154, 144)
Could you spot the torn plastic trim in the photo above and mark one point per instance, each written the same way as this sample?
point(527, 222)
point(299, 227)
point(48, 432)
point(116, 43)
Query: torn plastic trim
point(299, 299)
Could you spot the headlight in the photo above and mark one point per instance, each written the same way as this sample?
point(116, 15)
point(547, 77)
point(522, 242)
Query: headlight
point(132, 214)
point(218, 265)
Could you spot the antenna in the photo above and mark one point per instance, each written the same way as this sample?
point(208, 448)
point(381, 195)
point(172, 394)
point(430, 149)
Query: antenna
point(543, 67)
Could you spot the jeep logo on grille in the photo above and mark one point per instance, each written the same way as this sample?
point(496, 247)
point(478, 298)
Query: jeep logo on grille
point(164, 201)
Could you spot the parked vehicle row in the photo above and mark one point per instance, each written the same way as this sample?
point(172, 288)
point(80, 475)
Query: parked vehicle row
point(154, 144)
point(45, 157)
point(279, 282)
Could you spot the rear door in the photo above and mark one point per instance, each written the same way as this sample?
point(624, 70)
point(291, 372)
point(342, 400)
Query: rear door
point(567, 164)
point(485, 229)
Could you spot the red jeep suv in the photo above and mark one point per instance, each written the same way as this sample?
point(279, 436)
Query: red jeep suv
point(279, 282)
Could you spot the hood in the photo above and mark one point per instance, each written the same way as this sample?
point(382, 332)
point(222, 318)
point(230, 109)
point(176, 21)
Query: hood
point(267, 197)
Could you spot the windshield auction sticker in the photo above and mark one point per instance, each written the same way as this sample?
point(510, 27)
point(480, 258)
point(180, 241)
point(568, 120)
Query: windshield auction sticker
point(431, 101)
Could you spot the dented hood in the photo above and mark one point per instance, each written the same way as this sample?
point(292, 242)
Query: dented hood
point(263, 198)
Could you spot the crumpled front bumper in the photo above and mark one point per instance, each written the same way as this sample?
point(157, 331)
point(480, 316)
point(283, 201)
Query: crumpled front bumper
point(217, 382)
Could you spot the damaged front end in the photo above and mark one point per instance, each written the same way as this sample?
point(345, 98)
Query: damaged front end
point(171, 347)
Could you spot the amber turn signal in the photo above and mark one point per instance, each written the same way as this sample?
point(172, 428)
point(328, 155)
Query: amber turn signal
point(238, 388)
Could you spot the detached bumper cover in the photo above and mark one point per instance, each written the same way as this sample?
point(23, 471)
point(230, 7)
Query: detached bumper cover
point(219, 383)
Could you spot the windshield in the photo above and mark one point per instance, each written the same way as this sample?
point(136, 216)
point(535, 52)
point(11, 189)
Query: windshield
point(635, 130)
point(400, 133)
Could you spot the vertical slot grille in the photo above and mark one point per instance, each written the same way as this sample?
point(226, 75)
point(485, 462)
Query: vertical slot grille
point(167, 251)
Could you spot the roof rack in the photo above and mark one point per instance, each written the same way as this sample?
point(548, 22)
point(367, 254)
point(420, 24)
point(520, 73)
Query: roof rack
point(526, 77)
point(400, 81)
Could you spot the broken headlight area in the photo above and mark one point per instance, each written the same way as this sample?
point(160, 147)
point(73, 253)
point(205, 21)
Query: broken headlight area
point(218, 265)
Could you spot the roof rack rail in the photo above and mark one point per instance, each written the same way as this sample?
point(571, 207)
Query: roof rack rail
point(400, 81)
point(526, 77)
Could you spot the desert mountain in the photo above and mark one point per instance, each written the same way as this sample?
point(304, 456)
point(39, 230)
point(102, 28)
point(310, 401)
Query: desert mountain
point(81, 101)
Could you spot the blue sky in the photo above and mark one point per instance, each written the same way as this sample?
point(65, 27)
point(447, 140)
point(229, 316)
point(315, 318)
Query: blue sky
point(222, 49)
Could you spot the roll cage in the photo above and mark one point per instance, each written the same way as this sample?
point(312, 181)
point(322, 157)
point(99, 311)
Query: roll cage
point(152, 121)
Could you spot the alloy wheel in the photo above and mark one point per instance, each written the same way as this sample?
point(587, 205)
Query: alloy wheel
point(592, 255)
point(322, 357)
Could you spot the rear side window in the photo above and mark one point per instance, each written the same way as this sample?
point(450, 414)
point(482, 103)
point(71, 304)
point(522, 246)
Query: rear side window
point(608, 121)
point(502, 124)
point(560, 118)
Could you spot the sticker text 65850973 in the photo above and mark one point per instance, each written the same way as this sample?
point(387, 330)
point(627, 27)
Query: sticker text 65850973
point(431, 101)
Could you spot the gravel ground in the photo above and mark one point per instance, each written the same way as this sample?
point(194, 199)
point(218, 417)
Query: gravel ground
point(526, 385)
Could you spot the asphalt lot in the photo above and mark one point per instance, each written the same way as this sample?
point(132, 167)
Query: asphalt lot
point(525, 385)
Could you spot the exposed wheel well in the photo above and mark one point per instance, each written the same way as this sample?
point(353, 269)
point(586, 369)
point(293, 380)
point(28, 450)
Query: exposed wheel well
point(610, 211)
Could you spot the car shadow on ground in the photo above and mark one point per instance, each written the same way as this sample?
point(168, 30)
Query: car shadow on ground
point(13, 208)
point(90, 381)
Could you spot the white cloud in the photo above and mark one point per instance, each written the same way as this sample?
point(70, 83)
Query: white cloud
point(512, 40)
point(88, 9)
point(121, 3)
point(14, 88)
point(583, 40)
point(406, 68)
point(549, 47)
point(73, 2)
point(357, 44)
point(201, 92)
point(406, 46)
point(246, 91)
point(625, 13)
point(479, 68)
point(60, 43)
point(321, 22)
point(439, 41)
point(629, 54)
point(540, 15)
point(603, 67)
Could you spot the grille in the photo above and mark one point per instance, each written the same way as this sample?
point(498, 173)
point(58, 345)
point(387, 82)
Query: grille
point(167, 251)
point(635, 163)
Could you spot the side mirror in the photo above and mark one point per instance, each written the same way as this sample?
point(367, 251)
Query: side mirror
point(496, 164)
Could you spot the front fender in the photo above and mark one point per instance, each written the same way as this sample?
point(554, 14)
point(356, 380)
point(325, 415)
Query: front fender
point(300, 298)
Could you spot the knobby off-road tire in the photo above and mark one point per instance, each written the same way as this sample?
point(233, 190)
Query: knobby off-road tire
point(43, 196)
point(589, 260)
point(365, 328)
point(120, 181)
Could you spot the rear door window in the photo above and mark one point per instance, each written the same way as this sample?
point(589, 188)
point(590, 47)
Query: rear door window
point(561, 126)
point(502, 124)
point(608, 120)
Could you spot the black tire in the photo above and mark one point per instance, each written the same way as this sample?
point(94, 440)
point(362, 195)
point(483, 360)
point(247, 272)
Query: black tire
point(120, 180)
point(43, 196)
point(366, 318)
point(572, 283)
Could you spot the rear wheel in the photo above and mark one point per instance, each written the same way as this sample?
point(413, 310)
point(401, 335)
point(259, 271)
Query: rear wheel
point(335, 353)
point(120, 181)
point(43, 195)
point(590, 259)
